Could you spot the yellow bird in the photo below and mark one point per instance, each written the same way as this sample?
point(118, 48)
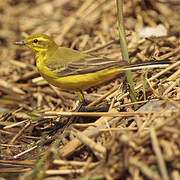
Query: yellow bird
point(74, 70)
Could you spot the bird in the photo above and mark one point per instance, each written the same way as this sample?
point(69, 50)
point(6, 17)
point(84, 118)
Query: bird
point(74, 70)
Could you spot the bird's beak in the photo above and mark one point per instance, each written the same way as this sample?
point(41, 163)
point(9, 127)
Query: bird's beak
point(20, 43)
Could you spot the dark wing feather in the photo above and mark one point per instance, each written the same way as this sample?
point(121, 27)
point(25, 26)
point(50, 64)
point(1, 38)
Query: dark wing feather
point(87, 64)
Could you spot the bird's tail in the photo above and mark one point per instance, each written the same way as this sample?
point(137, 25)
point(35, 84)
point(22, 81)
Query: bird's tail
point(149, 64)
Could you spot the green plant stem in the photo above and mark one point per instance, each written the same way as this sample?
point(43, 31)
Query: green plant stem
point(123, 45)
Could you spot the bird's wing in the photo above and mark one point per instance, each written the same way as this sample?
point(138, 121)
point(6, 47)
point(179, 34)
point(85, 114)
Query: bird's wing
point(75, 63)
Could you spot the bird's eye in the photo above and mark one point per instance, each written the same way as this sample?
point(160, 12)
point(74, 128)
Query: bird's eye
point(35, 41)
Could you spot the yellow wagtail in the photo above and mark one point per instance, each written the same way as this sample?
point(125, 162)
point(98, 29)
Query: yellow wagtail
point(74, 70)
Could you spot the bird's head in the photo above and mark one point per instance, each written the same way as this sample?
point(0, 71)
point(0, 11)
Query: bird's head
point(38, 43)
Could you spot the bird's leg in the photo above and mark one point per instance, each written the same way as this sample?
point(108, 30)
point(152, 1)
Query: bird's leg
point(80, 96)
point(82, 101)
point(77, 109)
point(84, 105)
